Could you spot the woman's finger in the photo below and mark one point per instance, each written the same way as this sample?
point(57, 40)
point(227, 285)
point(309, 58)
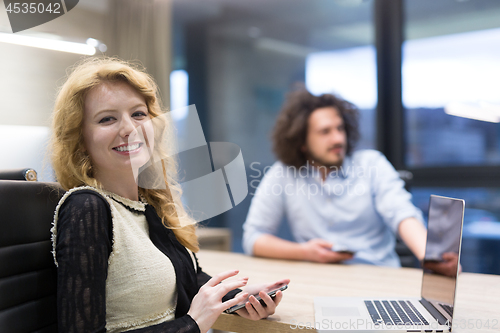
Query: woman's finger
point(277, 299)
point(270, 303)
point(252, 313)
point(225, 287)
point(233, 301)
point(220, 277)
point(259, 308)
point(283, 281)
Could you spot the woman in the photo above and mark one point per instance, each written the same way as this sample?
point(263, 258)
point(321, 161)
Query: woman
point(125, 254)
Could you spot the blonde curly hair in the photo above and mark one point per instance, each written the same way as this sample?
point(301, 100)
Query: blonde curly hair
point(72, 165)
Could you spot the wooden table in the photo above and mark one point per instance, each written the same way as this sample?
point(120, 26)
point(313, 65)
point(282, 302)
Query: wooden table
point(477, 302)
point(218, 239)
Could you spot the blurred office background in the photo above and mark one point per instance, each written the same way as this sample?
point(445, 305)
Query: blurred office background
point(424, 73)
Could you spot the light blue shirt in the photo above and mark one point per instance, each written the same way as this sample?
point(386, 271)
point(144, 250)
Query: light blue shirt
point(358, 206)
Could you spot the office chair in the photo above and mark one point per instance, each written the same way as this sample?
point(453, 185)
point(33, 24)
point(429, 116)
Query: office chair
point(19, 174)
point(27, 271)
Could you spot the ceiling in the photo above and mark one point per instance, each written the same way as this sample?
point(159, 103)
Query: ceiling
point(331, 24)
point(325, 24)
point(100, 6)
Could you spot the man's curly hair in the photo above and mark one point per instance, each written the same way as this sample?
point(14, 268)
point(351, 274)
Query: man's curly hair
point(290, 131)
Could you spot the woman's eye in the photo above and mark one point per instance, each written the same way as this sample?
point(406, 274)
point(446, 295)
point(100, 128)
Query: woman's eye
point(139, 114)
point(105, 120)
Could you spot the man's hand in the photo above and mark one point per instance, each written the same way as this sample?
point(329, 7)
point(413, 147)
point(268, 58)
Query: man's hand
point(319, 250)
point(414, 234)
point(446, 267)
point(316, 250)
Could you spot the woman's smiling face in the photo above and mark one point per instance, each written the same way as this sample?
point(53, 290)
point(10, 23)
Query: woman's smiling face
point(114, 119)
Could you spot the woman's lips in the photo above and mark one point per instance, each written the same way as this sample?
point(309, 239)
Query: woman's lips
point(128, 149)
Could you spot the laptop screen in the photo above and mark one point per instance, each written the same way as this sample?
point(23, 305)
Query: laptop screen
point(442, 253)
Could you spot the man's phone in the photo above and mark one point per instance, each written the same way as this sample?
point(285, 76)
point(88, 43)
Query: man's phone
point(433, 257)
point(272, 292)
point(342, 249)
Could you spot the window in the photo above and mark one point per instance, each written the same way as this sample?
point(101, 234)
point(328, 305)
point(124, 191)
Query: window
point(451, 65)
point(451, 99)
point(243, 57)
point(351, 74)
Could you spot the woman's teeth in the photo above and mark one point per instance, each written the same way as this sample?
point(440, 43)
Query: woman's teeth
point(128, 148)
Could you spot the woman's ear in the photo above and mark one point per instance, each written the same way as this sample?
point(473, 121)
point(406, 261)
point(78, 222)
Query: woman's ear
point(83, 150)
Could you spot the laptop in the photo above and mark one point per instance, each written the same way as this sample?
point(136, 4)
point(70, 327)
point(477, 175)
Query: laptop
point(433, 311)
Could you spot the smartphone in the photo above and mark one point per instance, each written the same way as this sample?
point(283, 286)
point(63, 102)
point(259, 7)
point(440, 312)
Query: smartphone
point(433, 257)
point(341, 249)
point(272, 292)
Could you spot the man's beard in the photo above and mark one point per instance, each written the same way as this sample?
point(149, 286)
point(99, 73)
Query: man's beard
point(320, 162)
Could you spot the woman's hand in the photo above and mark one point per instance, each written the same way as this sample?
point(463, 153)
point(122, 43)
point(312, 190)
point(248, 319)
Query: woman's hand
point(207, 304)
point(253, 309)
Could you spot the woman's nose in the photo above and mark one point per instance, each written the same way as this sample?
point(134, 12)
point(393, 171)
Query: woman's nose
point(127, 126)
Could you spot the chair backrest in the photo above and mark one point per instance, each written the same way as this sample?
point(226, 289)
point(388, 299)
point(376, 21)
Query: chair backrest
point(27, 272)
point(19, 174)
point(27, 146)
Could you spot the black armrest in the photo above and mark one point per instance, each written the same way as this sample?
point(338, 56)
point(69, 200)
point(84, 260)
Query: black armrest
point(19, 174)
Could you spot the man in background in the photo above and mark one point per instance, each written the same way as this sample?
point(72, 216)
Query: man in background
point(341, 204)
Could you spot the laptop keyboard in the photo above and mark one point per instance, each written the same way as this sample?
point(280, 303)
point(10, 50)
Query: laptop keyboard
point(394, 313)
point(447, 308)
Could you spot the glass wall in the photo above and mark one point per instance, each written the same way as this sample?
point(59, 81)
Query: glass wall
point(243, 57)
point(352, 74)
point(451, 65)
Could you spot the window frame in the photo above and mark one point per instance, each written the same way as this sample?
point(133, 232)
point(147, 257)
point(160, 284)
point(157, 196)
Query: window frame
point(391, 132)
